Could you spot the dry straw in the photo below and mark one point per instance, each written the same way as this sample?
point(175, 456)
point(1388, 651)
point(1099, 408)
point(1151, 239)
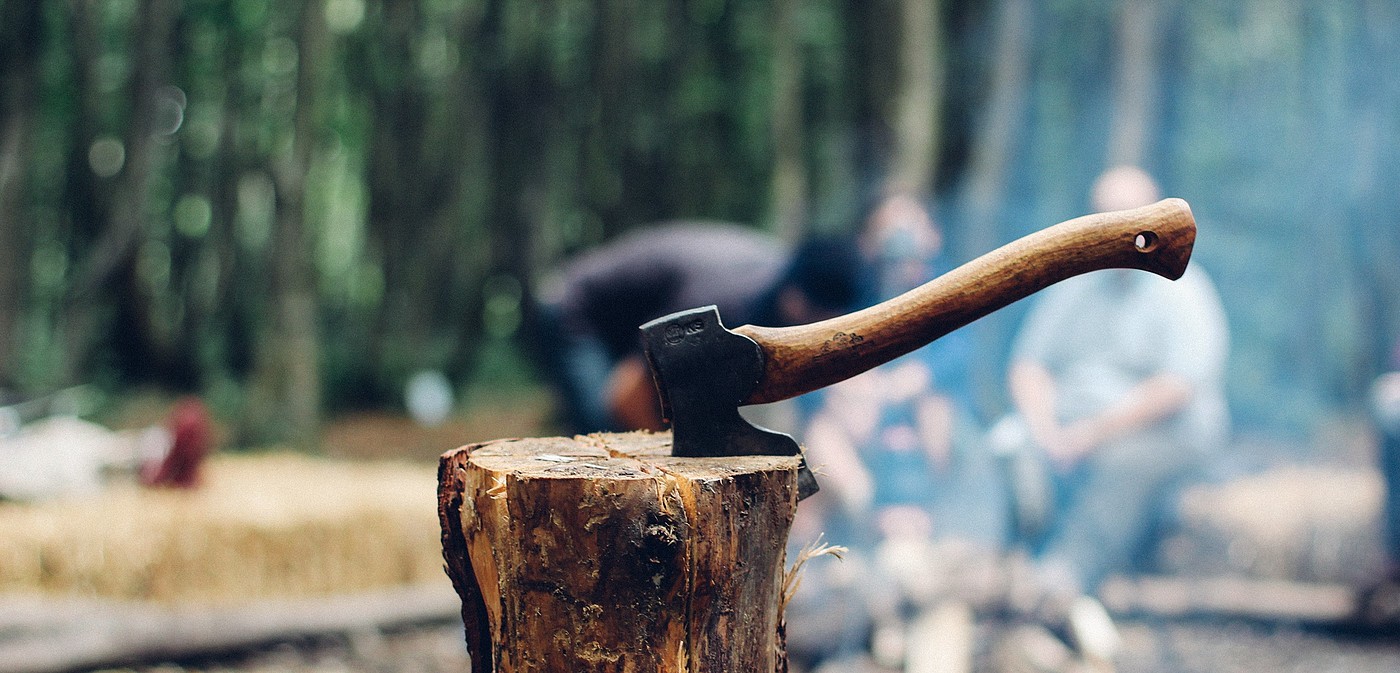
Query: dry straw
point(271, 525)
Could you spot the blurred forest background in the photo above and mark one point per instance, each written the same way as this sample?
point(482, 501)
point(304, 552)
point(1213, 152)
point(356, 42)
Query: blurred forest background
point(290, 207)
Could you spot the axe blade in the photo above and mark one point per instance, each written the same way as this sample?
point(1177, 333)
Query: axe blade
point(703, 373)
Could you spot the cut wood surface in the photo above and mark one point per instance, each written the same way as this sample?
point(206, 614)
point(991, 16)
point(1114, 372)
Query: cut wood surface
point(605, 553)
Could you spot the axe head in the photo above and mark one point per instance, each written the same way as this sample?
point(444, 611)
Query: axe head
point(703, 372)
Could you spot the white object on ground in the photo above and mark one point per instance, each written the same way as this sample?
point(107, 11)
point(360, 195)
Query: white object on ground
point(59, 457)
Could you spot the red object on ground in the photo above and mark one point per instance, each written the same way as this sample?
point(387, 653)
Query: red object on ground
point(191, 435)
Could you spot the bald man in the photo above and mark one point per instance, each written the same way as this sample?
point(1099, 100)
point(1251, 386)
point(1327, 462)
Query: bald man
point(1117, 380)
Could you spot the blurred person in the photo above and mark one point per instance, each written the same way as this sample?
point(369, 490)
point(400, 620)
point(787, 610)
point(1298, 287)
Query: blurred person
point(899, 242)
point(906, 484)
point(903, 433)
point(1117, 382)
point(180, 447)
point(1379, 603)
point(587, 320)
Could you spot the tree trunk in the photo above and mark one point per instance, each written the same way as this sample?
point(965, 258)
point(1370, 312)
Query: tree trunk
point(994, 145)
point(789, 190)
point(107, 274)
point(605, 553)
point(1135, 82)
point(291, 355)
point(917, 103)
point(229, 163)
point(84, 197)
point(118, 244)
point(406, 217)
point(989, 171)
point(19, 96)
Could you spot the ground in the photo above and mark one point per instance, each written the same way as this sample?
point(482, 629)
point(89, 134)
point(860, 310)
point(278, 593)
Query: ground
point(381, 435)
point(1163, 647)
point(380, 450)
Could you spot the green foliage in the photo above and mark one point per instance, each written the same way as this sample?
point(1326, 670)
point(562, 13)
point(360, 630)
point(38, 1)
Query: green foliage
point(462, 148)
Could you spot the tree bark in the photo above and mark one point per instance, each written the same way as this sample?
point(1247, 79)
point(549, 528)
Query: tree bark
point(605, 553)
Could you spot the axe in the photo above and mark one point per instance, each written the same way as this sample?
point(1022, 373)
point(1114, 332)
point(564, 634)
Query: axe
point(704, 371)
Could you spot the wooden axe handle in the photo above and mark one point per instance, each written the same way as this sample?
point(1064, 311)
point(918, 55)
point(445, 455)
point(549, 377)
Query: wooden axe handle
point(1156, 238)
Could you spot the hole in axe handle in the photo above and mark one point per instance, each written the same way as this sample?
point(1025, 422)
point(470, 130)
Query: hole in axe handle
point(1146, 241)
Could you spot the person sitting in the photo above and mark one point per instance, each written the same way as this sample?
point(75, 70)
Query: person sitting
point(1117, 382)
point(906, 486)
point(1379, 602)
point(903, 433)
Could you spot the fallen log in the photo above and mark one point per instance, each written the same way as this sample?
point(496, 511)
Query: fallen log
point(49, 635)
point(1294, 523)
point(1231, 596)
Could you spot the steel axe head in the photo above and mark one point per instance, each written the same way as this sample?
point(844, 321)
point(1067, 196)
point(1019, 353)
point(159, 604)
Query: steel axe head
point(703, 373)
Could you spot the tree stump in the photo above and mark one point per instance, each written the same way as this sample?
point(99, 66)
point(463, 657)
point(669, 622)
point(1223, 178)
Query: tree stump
point(605, 553)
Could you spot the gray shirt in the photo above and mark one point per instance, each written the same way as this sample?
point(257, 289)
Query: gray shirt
point(1103, 333)
point(610, 291)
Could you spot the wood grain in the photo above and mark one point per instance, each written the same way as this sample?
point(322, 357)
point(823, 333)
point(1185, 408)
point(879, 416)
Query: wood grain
point(605, 553)
point(1156, 238)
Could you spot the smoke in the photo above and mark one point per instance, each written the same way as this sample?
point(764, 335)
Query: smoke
point(1274, 121)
